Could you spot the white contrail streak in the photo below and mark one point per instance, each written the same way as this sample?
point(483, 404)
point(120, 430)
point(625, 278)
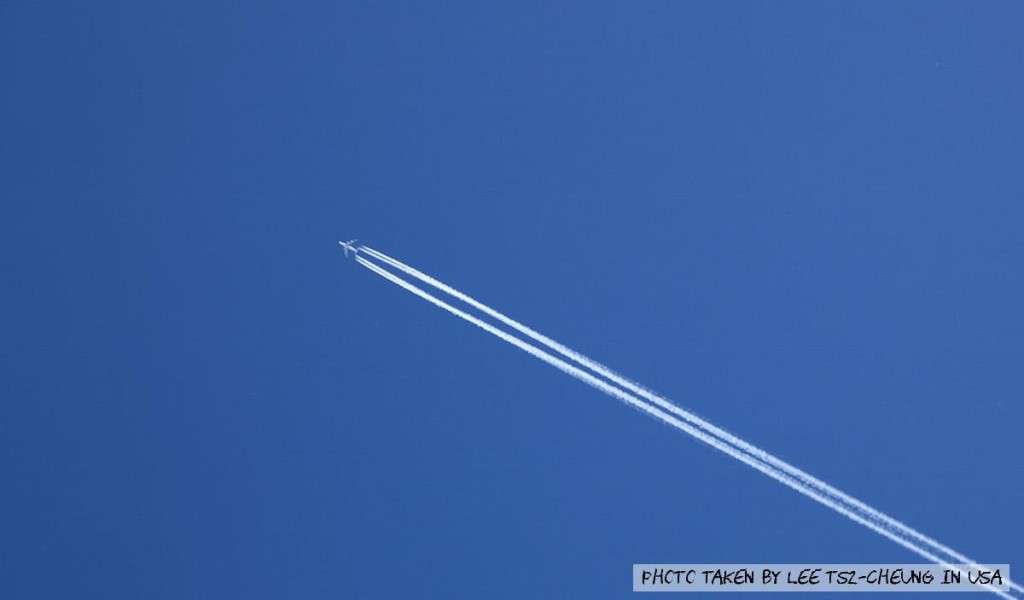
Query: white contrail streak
point(776, 464)
point(703, 436)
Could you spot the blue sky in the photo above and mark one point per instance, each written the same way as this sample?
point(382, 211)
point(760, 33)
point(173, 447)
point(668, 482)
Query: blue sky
point(800, 220)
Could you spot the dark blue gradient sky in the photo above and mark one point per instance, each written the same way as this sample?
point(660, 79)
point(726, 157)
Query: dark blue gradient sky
point(801, 220)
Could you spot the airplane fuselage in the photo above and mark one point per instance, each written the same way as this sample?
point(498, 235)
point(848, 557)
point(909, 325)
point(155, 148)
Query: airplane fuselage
point(349, 246)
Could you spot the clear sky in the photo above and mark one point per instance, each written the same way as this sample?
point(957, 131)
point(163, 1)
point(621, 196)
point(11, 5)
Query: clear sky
point(801, 220)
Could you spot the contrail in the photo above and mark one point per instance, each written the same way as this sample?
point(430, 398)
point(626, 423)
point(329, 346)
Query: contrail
point(717, 438)
point(775, 463)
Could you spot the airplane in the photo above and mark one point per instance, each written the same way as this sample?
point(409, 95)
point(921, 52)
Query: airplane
point(349, 245)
